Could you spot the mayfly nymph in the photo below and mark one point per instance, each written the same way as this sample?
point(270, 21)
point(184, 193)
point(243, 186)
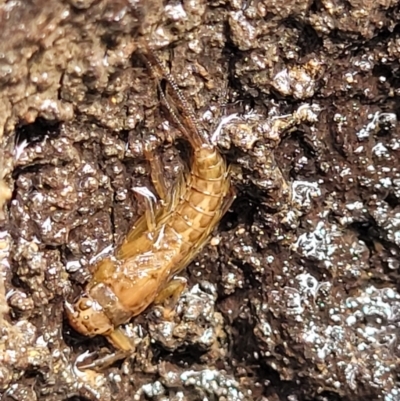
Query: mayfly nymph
point(165, 239)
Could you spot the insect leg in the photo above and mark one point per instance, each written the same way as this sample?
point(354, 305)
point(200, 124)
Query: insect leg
point(103, 362)
point(120, 340)
point(170, 295)
point(157, 173)
point(150, 201)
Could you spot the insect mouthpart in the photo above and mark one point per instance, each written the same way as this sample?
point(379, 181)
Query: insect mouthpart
point(87, 317)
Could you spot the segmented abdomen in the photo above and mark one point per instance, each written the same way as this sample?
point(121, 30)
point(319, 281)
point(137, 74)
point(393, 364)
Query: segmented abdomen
point(207, 186)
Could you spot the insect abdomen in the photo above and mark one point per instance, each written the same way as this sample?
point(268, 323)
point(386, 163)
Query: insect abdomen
point(206, 190)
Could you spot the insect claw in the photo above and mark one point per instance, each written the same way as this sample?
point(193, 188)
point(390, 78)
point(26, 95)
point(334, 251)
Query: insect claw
point(79, 364)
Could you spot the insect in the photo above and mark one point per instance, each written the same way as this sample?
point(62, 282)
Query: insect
point(166, 238)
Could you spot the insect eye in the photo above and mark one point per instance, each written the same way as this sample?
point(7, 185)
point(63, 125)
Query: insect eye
point(84, 304)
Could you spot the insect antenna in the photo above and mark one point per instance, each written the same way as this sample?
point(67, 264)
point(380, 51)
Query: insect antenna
point(191, 127)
